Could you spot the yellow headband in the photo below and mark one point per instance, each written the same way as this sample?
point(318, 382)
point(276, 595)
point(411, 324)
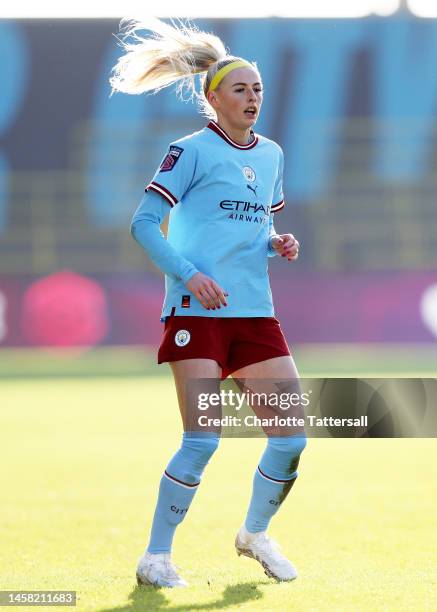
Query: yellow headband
point(220, 74)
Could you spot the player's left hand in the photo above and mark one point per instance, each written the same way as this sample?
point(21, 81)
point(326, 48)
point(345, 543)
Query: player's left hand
point(286, 245)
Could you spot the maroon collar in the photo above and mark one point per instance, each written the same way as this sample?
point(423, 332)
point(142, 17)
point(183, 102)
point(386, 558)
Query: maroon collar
point(212, 125)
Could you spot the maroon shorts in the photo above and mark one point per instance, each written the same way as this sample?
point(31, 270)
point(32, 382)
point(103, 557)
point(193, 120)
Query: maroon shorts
point(233, 342)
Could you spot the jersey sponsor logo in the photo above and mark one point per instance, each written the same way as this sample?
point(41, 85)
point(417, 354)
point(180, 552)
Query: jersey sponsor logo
point(251, 218)
point(171, 159)
point(249, 173)
point(242, 206)
point(182, 337)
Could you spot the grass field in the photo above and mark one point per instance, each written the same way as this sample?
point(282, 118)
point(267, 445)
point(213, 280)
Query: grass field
point(82, 459)
point(313, 360)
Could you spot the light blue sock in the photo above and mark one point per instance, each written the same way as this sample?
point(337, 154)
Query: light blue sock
point(273, 479)
point(178, 487)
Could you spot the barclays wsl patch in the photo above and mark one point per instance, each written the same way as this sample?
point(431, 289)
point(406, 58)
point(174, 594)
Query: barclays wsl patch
point(171, 159)
point(182, 337)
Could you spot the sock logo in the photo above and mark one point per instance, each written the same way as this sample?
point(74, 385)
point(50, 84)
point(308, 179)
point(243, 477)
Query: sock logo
point(182, 337)
point(178, 510)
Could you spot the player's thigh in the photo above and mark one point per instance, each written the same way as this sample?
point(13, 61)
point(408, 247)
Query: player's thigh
point(276, 367)
point(193, 376)
point(262, 381)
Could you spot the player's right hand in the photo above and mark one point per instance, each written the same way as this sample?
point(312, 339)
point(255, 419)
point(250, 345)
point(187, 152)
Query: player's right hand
point(207, 291)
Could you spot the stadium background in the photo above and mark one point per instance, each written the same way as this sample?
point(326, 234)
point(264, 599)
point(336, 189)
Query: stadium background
point(351, 101)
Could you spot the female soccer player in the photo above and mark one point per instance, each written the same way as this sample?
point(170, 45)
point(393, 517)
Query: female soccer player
point(221, 186)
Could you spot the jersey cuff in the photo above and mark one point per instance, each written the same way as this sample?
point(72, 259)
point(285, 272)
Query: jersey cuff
point(278, 206)
point(271, 252)
point(171, 199)
point(185, 277)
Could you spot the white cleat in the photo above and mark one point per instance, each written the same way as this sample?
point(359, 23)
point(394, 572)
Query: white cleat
point(157, 570)
point(260, 547)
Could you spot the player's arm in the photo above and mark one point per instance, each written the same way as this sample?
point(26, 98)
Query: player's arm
point(285, 245)
point(271, 252)
point(277, 204)
point(170, 183)
point(145, 229)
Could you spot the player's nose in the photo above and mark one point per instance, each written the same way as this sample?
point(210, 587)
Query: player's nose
point(251, 96)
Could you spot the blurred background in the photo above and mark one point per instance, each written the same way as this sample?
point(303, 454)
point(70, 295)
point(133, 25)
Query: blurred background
point(352, 100)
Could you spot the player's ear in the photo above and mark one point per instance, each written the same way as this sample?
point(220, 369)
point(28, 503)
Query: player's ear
point(212, 98)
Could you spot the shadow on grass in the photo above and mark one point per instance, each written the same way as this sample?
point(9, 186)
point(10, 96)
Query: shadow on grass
point(151, 598)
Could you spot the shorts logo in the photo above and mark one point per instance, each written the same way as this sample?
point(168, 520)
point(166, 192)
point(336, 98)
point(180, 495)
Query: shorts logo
point(182, 337)
point(171, 158)
point(249, 173)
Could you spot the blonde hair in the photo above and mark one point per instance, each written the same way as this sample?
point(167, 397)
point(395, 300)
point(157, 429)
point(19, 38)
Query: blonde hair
point(172, 54)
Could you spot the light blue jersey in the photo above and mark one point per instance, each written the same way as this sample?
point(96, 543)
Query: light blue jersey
point(222, 196)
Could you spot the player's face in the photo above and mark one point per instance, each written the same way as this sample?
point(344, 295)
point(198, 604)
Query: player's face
point(239, 97)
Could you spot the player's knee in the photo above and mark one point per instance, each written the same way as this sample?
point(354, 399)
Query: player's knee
point(289, 445)
point(193, 456)
point(282, 455)
point(203, 447)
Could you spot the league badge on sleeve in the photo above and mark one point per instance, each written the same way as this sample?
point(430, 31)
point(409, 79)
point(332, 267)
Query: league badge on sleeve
point(171, 159)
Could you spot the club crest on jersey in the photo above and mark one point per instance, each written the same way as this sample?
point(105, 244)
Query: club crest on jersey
point(182, 337)
point(249, 173)
point(170, 160)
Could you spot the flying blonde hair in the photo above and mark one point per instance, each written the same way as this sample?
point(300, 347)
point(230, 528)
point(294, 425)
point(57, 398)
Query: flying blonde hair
point(171, 54)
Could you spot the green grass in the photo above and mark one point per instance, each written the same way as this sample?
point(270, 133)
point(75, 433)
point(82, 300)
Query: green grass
point(82, 459)
point(313, 360)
